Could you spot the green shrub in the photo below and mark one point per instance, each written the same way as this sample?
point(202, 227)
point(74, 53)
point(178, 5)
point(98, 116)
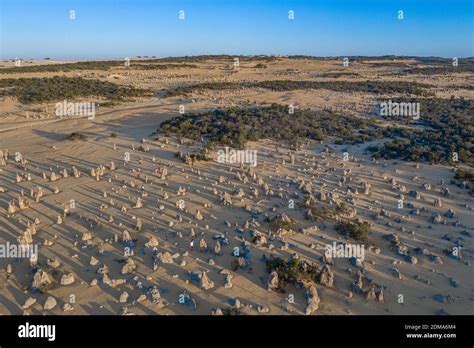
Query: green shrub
point(235, 126)
point(376, 87)
point(464, 175)
point(291, 271)
point(282, 221)
point(36, 90)
point(76, 136)
point(234, 265)
point(447, 127)
point(357, 231)
point(231, 311)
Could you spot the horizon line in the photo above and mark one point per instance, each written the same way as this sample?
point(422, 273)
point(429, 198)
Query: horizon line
point(276, 55)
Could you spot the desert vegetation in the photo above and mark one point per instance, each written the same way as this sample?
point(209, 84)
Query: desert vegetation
point(440, 70)
point(36, 90)
point(63, 67)
point(462, 174)
point(143, 66)
point(282, 222)
point(76, 136)
point(376, 87)
point(291, 271)
point(235, 126)
point(446, 126)
point(149, 64)
point(356, 230)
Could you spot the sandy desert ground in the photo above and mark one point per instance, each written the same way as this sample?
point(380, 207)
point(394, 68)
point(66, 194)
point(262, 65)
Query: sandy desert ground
point(123, 247)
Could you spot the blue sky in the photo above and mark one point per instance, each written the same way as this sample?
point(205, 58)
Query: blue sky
point(126, 28)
